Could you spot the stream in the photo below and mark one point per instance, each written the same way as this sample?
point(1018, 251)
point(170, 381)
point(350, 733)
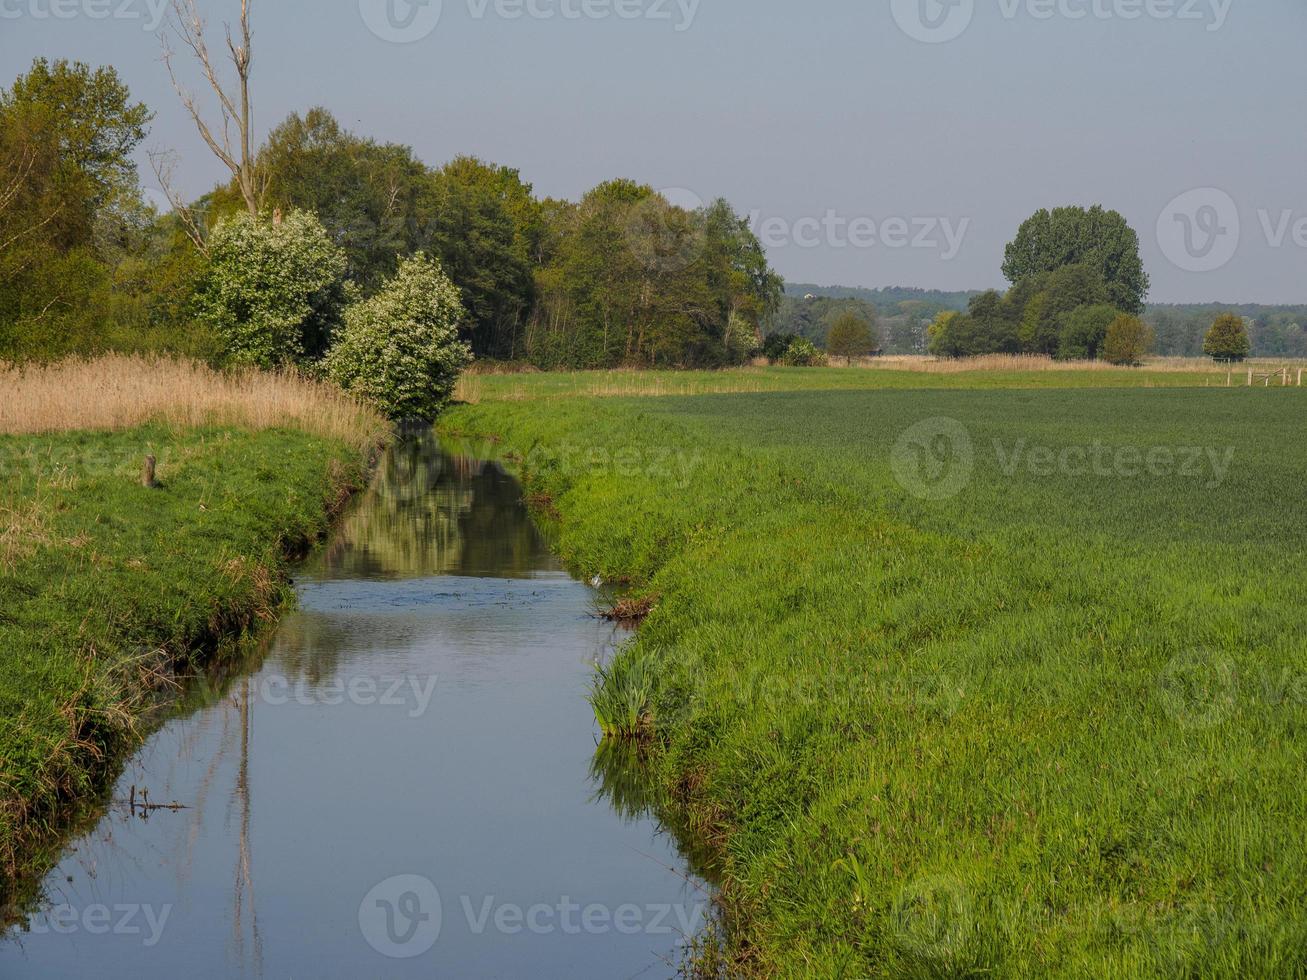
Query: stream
point(399, 782)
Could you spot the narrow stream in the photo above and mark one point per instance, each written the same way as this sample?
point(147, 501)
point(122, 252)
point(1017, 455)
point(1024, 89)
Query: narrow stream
point(400, 786)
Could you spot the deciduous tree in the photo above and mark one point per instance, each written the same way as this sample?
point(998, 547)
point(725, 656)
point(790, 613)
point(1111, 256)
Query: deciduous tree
point(1101, 239)
point(1228, 339)
point(1127, 341)
point(850, 337)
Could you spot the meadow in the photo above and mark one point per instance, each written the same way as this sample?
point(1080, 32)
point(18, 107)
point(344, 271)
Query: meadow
point(1000, 676)
point(112, 591)
point(995, 371)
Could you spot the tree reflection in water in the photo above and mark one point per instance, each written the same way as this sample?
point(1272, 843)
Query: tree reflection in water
point(430, 512)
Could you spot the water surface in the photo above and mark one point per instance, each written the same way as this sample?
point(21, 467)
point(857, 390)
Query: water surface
point(400, 786)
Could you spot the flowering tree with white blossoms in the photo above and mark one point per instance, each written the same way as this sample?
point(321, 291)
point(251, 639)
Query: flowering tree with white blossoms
point(400, 349)
point(273, 289)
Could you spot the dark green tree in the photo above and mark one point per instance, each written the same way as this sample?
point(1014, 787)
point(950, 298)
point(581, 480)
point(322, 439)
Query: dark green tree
point(1059, 293)
point(1227, 341)
point(1095, 237)
point(1083, 331)
point(69, 205)
point(364, 193)
point(89, 117)
point(465, 223)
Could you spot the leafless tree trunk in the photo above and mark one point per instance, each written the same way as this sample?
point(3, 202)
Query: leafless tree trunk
point(234, 109)
point(163, 163)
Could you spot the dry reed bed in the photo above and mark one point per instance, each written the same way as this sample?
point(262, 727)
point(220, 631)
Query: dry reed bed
point(121, 391)
point(617, 383)
point(1038, 362)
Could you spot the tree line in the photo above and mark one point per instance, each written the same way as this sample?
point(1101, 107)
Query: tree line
point(901, 318)
point(621, 277)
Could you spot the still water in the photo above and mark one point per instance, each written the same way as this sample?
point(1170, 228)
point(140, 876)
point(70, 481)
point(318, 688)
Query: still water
point(400, 784)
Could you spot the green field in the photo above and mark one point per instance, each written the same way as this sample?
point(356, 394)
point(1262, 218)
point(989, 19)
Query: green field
point(953, 682)
point(1175, 373)
point(109, 589)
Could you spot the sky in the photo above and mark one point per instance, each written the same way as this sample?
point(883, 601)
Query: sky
point(870, 142)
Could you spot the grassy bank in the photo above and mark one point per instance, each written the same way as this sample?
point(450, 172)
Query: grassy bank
point(961, 683)
point(109, 590)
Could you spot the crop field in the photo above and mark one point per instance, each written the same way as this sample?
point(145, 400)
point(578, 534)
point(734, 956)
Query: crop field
point(1006, 682)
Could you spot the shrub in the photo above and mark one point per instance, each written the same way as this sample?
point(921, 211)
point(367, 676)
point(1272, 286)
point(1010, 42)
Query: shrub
point(775, 345)
point(942, 335)
point(400, 349)
point(1083, 331)
point(803, 353)
point(741, 339)
point(273, 290)
point(1127, 341)
point(1228, 339)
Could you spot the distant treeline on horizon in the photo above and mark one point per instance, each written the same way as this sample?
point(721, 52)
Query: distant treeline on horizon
point(902, 313)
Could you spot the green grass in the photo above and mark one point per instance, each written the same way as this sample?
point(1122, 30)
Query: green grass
point(1052, 725)
point(955, 375)
point(108, 589)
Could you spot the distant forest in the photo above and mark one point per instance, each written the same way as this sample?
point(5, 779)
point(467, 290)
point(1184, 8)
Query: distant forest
point(901, 315)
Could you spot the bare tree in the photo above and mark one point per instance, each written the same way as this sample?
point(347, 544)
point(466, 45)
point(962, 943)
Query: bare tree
point(234, 108)
point(163, 163)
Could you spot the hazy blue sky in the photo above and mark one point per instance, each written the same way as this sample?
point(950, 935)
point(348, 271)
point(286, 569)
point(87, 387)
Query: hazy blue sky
point(813, 115)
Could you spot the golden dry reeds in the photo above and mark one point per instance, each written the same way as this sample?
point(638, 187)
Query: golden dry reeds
point(119, 391)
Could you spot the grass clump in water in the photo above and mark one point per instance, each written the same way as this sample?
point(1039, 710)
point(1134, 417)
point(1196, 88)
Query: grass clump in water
point(622, 695)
